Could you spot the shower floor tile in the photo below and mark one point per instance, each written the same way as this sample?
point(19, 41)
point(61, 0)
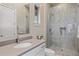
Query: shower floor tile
point(64, 51)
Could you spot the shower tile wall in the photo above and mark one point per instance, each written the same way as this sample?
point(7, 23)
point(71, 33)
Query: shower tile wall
point(77, 21)
point(61, 16)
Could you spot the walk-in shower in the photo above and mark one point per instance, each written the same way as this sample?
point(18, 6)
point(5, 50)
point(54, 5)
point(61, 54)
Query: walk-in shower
point(62, 29)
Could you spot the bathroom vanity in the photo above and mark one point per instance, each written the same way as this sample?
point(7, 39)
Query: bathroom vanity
point(36, 49)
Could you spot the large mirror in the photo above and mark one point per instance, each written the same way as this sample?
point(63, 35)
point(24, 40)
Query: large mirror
point(23, 17)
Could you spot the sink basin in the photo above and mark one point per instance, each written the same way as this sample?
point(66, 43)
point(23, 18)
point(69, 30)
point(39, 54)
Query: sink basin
point(23, 45)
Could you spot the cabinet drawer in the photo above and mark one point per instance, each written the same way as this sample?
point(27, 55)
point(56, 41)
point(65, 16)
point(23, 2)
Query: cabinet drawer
point(41, 52)
point(35, 51)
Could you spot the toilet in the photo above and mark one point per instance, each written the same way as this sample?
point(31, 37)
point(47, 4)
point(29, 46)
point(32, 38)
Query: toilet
point(49, 52)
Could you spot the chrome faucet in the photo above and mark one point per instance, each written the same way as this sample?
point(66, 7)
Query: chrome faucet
point(17, 40)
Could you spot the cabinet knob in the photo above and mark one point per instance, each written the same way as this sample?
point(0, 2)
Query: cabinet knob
point(43, 46)
point(1, 35)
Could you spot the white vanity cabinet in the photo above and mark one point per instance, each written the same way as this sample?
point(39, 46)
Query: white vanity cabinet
point(7, 23)
point(37, 51)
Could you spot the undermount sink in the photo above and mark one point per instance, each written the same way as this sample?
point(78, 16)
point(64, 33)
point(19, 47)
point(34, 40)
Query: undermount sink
point(23, 45)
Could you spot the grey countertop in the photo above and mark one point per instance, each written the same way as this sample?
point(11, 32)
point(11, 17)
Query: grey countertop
point(9, 50)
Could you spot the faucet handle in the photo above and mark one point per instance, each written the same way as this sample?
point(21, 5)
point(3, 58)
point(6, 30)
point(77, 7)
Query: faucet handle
point(39, 37)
